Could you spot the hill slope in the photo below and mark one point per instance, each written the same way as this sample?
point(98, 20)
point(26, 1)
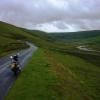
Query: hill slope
point(77, 36)
point(11, 35)
point(57, 70)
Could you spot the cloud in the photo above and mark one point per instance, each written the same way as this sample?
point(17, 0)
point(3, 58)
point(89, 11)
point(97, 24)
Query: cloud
point(52, 15)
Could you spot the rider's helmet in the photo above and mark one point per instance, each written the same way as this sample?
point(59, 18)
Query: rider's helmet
point(16, 57)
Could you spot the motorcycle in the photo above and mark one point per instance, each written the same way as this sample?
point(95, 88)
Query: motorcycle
point(15, 67)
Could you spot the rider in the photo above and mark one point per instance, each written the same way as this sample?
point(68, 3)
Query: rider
point(15, 65)
point(15, 59)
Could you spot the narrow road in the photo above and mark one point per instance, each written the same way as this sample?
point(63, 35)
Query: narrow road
point(6, 75)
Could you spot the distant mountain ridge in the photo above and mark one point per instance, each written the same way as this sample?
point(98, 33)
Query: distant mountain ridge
point(12, 33)
point(75, 36)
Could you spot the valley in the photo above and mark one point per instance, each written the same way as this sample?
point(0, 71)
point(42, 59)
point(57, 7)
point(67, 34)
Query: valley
point(65, 66)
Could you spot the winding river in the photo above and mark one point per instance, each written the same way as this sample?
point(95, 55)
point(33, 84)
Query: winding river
point(84, 48)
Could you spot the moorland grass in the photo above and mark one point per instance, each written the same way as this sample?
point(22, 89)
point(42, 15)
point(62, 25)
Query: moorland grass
point(55, 76)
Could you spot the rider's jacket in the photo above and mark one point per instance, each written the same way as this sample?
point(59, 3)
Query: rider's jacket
point(15, 58)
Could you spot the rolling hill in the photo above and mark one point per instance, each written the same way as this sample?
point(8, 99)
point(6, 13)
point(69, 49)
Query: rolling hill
point(87, 36)
point(58, 70)
point(11, 35)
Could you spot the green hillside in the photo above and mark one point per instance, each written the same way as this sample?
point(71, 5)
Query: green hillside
point(52, 75)
point(77, 36)
point(11, 35)
point(58, 70)
point(8, 39)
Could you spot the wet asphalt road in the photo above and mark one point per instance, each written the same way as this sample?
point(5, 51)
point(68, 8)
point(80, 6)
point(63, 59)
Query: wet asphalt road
point(7, 77)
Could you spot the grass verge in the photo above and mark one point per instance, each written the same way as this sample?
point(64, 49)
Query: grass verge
point(55, 76)
point(11, 47)
point(79, 78)
point(35, 82)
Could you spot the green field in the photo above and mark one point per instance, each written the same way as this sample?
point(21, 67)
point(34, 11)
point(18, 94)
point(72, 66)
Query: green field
point(58, 70)
point(53, 76)
point(36, 81)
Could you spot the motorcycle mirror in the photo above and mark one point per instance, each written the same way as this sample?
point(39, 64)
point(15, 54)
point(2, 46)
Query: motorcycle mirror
point(11, 57)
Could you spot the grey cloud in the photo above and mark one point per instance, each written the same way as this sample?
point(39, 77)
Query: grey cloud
point(63, 14)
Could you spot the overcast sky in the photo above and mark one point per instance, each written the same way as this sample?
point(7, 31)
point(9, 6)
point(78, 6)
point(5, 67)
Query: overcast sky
point(52, 15)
